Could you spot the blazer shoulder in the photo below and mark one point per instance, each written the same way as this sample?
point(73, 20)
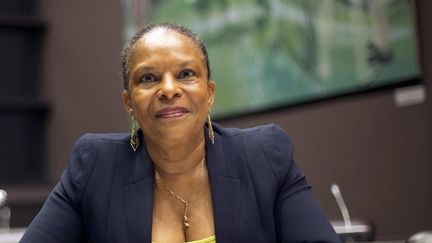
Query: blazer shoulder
point(273, 142)
point(85, 153)
point(106, 137)
point(265, 130)
point(264, 134)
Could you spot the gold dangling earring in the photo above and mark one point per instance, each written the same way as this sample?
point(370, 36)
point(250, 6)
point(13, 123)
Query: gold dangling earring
point(210, 129)
point(134, 140)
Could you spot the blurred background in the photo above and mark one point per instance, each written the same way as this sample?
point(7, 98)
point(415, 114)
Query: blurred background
point(59, 79)
point(274, 53)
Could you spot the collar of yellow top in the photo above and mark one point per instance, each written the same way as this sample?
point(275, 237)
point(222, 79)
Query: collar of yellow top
point(211, 239)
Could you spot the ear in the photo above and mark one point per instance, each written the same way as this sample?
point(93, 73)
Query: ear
point(127, 102)
point(211, 91)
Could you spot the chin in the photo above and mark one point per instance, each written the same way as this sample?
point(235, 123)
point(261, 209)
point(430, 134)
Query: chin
point(175, 128)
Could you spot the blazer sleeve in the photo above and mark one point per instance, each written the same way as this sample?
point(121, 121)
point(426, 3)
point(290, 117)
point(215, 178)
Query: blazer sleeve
point(60, 220)
point(298, 217)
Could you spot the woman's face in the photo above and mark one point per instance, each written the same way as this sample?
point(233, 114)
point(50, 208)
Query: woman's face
point(169, 94)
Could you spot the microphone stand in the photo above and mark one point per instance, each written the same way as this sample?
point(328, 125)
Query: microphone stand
point(350, 231)
point(5, 212)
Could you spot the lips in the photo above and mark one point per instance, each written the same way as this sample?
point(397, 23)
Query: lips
point(172, 112)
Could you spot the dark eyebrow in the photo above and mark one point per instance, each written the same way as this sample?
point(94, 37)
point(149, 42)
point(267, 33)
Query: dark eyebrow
point(149, 68)
point(140, 69)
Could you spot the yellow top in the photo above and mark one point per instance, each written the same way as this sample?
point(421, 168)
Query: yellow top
point(211, 239)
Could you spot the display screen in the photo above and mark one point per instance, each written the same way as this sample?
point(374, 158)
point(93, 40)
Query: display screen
point(278, 53)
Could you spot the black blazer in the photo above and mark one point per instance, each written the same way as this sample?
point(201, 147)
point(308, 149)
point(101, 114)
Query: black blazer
point(258, 192)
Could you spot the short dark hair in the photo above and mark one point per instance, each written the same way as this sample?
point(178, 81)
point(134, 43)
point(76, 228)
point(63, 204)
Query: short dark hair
point(128, 47)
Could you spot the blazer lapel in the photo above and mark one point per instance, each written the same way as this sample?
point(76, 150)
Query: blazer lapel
point(225, 192)
point(138, 198)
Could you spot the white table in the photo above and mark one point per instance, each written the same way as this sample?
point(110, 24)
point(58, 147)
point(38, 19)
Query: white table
point(11, 236)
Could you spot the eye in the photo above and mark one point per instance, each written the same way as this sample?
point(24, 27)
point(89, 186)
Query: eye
point(186, 73)
point(146, 78)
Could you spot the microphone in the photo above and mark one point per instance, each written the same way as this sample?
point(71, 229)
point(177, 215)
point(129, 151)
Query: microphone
point(341, 203)
point(3, 197)
point(5, 212)
point(350, 231)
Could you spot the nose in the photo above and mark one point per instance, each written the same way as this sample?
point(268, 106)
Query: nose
point(168, 88)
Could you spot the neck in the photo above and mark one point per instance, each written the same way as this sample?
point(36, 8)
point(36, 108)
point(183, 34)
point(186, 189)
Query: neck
point(175, 158)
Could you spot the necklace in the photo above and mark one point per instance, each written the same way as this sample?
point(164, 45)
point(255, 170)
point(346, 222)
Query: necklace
point(184, 201)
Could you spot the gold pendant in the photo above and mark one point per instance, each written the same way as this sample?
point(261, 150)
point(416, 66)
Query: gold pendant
point(185, 222)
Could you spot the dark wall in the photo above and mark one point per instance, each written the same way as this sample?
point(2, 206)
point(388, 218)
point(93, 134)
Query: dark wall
point(81, 67)
point(22, 111)
point(379, 154)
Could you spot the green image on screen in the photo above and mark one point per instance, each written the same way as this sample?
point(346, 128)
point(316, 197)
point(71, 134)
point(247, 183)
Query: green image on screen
point(267, 54)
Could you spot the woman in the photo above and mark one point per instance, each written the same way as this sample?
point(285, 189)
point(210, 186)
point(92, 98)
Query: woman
point(175, 179)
